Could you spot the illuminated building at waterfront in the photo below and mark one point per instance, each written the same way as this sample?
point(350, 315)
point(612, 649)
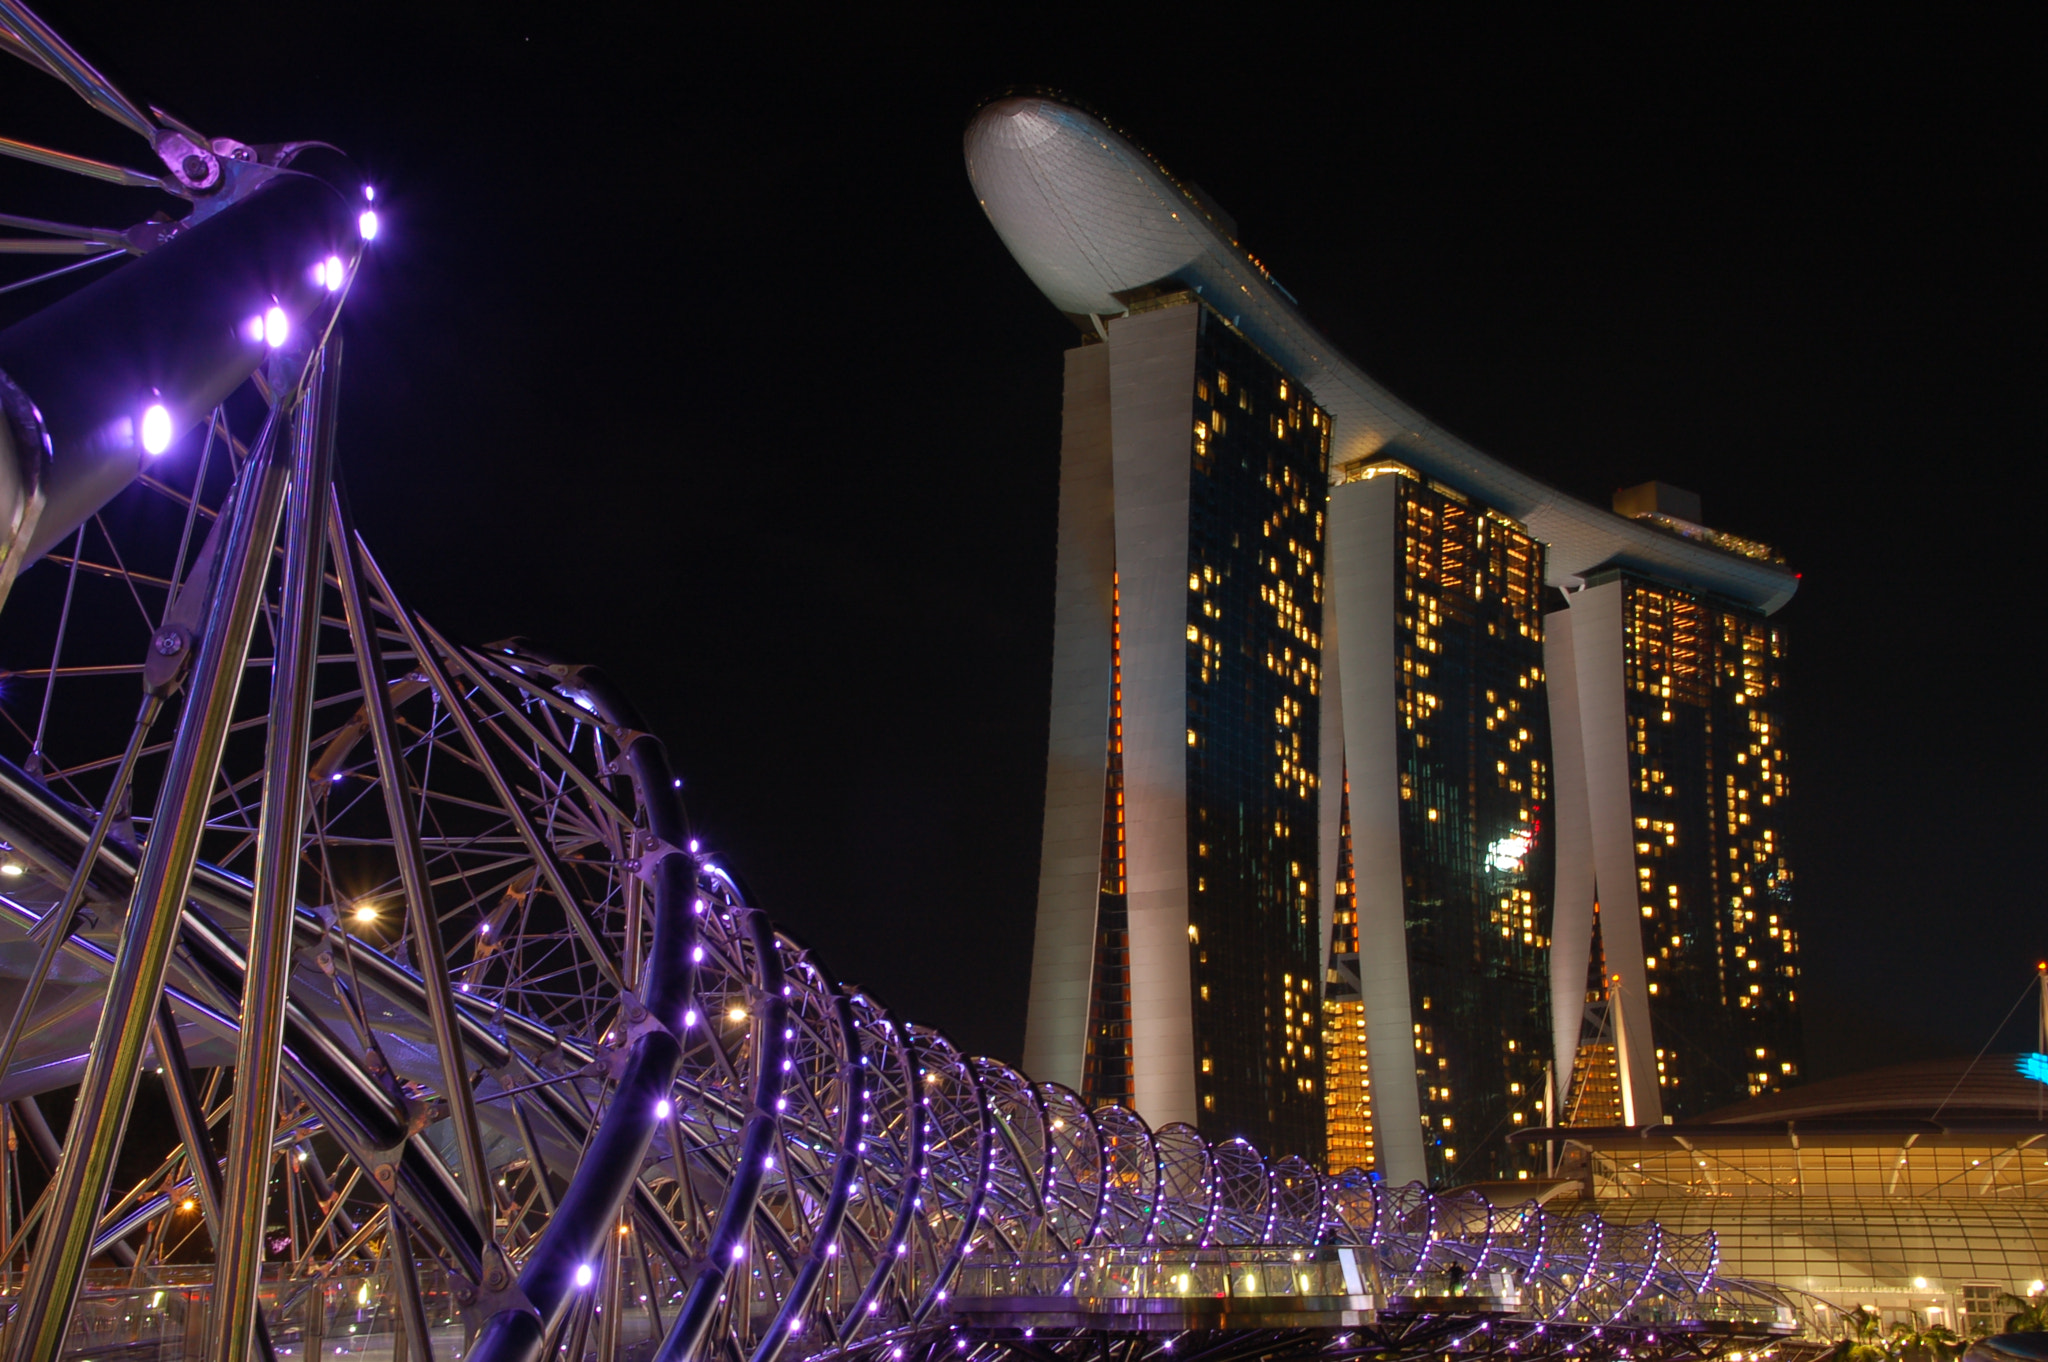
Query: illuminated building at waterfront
point(1672, 776)
point(1918, 1191)
point(1181, 824)
point(1422, 694)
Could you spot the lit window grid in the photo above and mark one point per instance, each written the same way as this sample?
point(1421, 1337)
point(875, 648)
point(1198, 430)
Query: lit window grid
point(1476, 847)
point(1709, 779)
point(1258, 461)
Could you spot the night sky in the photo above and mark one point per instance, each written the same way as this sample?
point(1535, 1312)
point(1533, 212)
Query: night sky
point(687, 352)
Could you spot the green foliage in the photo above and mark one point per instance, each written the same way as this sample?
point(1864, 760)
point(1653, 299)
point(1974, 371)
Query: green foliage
point(1865, 1340)
point(1912, 1343)
point(2029, 1313)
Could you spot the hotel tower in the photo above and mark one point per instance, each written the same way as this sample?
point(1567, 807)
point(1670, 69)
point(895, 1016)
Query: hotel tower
point(1395, 800)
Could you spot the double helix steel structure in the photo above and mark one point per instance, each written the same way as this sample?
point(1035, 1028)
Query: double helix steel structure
point(366, 993)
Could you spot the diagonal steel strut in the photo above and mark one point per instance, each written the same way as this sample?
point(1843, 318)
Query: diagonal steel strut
point(163, 880)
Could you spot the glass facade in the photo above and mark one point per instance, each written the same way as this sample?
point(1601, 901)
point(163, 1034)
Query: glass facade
point(1704, 687)
point(1932, 1225)
point(1474, 744)
point(1347, 1060)
point(1258, 460)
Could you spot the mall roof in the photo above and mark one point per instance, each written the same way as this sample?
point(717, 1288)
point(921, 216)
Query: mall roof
point(1094, 219)
point(1944, 1100)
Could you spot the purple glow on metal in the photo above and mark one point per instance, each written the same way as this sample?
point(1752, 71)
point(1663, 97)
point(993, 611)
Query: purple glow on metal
point(156, 429)
point(253, 328)
point(367, 224)
point(276, 327)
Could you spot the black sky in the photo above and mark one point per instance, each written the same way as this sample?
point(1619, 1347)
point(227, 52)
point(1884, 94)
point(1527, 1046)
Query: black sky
point(687, 351)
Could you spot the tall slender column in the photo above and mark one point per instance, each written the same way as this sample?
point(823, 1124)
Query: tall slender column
point(1361, 551)
point(1599, 652)
point(1571, 905)
point(280, 831)
point(1151, 382)
point(1070, 859)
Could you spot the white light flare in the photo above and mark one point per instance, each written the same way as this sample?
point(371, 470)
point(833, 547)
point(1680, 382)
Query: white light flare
point(662, 1109)
point(156, 429)
point(367, 224)
point(335, 273)
point(276, 327)
point(583, 1274)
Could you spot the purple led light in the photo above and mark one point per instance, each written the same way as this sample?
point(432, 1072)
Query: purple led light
point(335, 273)
point(662, 1109)
point(156, 429)
point(276, 327)
point(584, 1274)
point(367, 224)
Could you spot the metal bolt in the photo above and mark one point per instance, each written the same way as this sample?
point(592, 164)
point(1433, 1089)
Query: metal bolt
point(195, 168)
point(170, 643)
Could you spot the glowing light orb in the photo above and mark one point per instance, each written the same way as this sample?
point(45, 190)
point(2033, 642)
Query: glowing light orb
point(156, 429)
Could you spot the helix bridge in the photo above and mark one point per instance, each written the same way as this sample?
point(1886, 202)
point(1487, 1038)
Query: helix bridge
point(366, 993)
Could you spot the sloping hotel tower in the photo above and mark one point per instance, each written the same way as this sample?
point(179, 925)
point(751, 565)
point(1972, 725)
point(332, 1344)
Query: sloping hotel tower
point(1394, 799)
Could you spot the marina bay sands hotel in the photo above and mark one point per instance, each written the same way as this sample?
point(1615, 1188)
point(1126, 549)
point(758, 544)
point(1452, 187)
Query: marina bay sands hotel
point(1395, 800)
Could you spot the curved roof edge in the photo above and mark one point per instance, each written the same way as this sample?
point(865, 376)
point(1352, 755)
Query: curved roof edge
point(1092, 217)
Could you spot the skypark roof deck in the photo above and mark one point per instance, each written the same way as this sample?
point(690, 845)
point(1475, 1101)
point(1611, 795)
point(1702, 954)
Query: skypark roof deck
point(1096, 221)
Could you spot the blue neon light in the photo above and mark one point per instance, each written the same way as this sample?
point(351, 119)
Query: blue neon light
point(2034, 1066)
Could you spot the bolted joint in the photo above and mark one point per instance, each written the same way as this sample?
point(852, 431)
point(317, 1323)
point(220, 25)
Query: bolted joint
point(635, 1021)
point(169, 658)
point(194, 164)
